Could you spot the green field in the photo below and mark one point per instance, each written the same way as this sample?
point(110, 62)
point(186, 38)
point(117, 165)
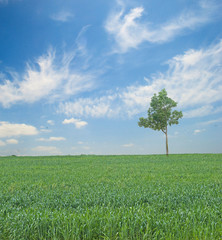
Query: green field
point(111, 197)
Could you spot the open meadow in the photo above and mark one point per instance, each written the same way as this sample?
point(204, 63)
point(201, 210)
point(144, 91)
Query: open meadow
point(111, 197)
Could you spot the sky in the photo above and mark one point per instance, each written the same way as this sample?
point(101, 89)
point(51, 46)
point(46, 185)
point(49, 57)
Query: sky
point(76, 75)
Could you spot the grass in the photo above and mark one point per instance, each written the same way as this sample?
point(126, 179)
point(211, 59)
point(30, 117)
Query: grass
point(111, 197)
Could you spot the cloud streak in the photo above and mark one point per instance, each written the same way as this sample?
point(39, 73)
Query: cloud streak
point(214, 121)
point(51, 139)
point(128, 145)
point(62, 16)
point(129, 31)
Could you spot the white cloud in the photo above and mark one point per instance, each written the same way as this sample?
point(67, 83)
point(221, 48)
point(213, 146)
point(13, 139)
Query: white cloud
point(57, 139)
point(128, 145)
point(197, 131)
point(199, 112)
point(50, 122)
point(51, 76)
point(12, 141)
point(214, 121)
point(193, 79)
point(52, 139)
point(129, 32)
point(10, 129)
point(97, 107)
point(82, 43)
point(125, 30)
point(62, 16)
point(202, 111)
point(46, 150)
point(77, 122)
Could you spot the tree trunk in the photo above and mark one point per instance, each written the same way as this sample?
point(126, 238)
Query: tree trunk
point(167, 152)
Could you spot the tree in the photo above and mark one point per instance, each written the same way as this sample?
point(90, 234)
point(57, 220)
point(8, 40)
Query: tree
point(160, 114)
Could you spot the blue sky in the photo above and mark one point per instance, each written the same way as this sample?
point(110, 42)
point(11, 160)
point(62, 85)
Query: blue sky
point(75, 76)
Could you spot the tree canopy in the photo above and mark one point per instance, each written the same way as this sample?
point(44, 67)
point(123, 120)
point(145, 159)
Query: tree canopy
point(160, 114)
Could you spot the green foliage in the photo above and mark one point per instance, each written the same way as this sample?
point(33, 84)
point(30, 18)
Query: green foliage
point(160, 113)
point(111, 197)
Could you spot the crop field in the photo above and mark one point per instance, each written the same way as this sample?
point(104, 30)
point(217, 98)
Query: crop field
point(111, 197)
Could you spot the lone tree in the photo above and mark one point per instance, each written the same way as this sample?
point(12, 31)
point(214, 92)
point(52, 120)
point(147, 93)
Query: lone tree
point(160, 114)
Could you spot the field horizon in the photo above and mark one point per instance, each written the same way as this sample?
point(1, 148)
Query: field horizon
point(92, 154)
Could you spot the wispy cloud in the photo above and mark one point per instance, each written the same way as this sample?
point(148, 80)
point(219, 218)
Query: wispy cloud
point(51, 139)
point(128, 145)
point(12, 141)
point(12, 129)
point(129, 31)
point(197, 131)
point(62, 16)
point(77, 122)
point(214, 121)
point(51, 76)
point(50, 122)
point(199, 112)
point(193, 79)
